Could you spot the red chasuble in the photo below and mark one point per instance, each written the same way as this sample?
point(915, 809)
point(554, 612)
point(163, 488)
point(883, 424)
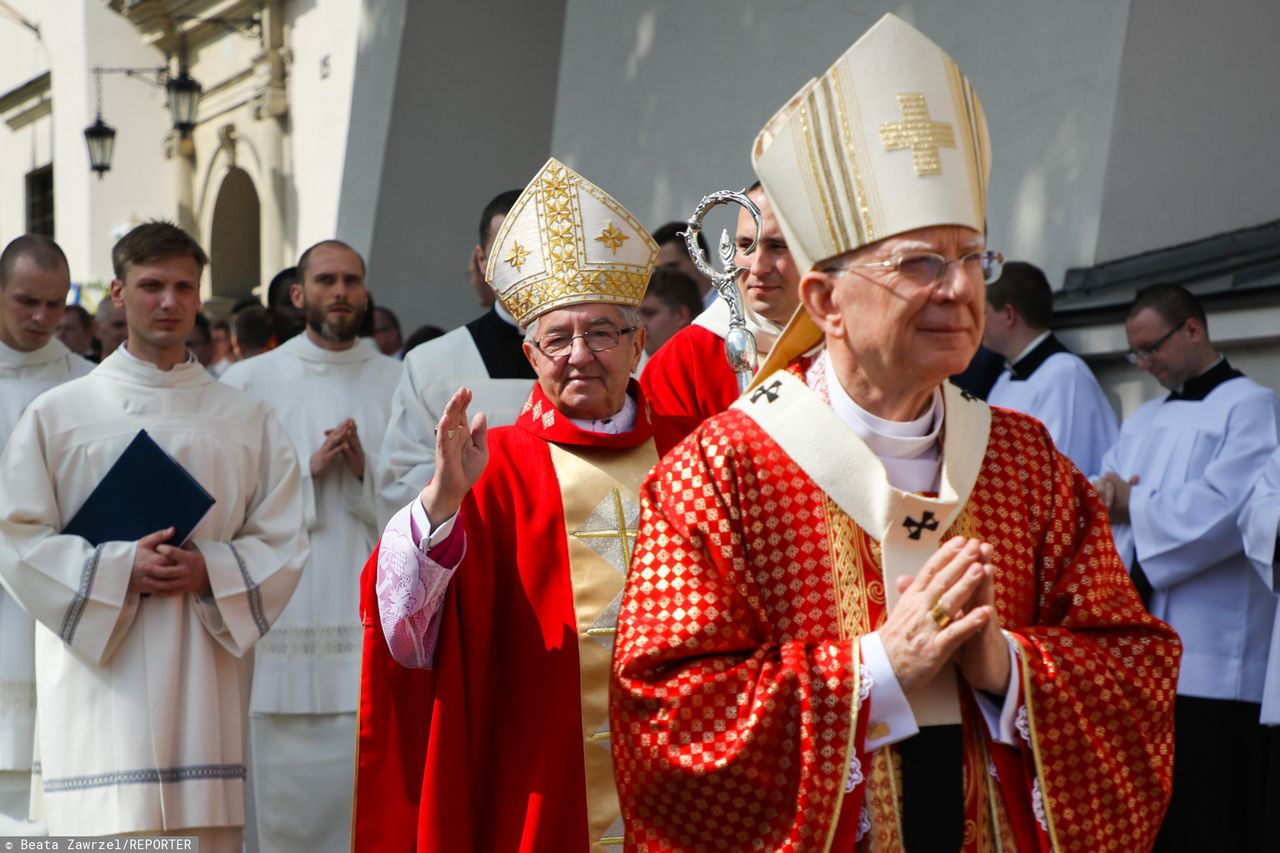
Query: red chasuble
point(736, 705)
point(689, 379)
point(503, 745)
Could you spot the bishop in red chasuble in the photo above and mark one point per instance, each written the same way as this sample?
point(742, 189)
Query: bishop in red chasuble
point(867, 611)
point(484, 707)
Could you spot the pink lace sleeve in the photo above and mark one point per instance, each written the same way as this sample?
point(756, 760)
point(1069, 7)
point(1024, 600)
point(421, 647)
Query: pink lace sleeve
point(411, 586)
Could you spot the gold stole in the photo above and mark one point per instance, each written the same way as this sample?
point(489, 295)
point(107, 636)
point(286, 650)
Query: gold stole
point(599, 490)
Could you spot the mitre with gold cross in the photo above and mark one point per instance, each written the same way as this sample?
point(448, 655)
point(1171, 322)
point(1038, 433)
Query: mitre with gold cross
point(889, 139)
point(566, 242)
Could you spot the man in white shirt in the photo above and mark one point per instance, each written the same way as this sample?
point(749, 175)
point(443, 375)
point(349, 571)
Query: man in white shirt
point(1043, 378)
point(141, 670)
point(34, 281)
point(1174, 486)
point(332, 392)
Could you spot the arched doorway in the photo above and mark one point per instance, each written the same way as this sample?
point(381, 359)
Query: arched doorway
point(235, 239)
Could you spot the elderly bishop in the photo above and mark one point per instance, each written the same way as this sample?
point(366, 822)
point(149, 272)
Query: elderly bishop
point(866, 611)
point(501, 581)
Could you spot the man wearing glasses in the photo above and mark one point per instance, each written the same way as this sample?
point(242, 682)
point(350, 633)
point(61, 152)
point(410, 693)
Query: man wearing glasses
point(491, 601)
point(1174, 486)
point(867, 611)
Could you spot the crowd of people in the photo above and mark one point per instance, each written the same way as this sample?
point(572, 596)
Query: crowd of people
point(553, 581)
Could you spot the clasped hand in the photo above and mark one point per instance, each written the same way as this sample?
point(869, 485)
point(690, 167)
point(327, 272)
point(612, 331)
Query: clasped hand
point(948, 611)
point(167, 570)
point(341, 442)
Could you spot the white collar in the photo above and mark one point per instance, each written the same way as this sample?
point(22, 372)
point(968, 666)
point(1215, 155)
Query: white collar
point(1035, 342)
point(124, 348)
point(622, 422)
point(909, 450)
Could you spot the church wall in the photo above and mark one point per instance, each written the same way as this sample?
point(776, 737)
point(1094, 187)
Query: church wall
point(659, 102)
point(82, 34)
point(474, 101)
point(1193, 146)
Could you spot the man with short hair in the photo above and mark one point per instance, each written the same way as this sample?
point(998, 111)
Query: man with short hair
point(485, 355)
point(1043, 378)
point(75, 330)
point(866, 611)
point(1175, 484)
point(690, 379)
point(253, 332)
point(332, 392)
point(386, 332)
point(223, 355)
point(142, 647)
point(537, 518)
point(670, 304)
point(112, 329)
point(286, 319)
point(200, 341)
point(34, 281)
point(673, 253)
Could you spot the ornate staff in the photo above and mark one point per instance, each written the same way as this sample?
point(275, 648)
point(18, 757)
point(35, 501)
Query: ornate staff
point(739, 344)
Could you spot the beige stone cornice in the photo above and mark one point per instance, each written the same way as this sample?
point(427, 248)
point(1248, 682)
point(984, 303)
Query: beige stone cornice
point(26, 103)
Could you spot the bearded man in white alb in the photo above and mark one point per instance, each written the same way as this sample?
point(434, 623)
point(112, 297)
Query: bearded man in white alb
point(332, 392)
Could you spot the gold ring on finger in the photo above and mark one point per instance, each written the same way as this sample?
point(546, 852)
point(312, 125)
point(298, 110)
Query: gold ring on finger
point(448, 434)
point(940, 616)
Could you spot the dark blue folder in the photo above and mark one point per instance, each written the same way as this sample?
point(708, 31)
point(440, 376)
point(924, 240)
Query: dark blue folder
point(146, 490)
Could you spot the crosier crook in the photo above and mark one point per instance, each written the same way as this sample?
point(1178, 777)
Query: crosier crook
point(739, 344)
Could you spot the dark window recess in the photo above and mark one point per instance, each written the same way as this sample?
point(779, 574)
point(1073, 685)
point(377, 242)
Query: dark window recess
point(40, 201)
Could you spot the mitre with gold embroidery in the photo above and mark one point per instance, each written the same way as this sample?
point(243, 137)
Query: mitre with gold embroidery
point(889, 139)
point(566, 242)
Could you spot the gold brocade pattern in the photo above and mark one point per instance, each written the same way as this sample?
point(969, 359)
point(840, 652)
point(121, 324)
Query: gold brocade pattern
point(920, 133)
point(598, 490)
point(517, 255)
point(854, 568)
point(884, 801)
point(556, 209)
point(612, 238)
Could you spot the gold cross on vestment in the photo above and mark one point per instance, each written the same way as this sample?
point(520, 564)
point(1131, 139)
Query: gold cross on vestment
point(921, 134)
point(611, 532)
point(606, 532)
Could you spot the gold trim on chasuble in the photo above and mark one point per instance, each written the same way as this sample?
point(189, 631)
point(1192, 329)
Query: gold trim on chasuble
point(1046, 796)
point(599, 490)
point(906, 527)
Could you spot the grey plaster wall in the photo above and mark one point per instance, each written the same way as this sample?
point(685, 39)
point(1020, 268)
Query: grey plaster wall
point(1193, 149)
point(474, 102)
point(659, 101)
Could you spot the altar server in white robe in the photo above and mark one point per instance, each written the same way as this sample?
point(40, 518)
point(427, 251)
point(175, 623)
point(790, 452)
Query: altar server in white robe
point(34, 280)
point(1260, 530)
point(332, 392)
point(486, 355)
point(141, 675)
point(1043, 378)
point(1175, 483)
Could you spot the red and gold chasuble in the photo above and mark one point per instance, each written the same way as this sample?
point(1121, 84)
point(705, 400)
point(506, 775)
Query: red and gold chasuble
point(766, 538)
point(504, 743)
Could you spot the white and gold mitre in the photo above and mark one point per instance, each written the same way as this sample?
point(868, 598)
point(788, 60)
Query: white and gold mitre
point(890, 138)
point(565, 242)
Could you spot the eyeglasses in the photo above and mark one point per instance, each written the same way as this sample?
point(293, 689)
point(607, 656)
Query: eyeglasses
point(925, 269)
point(597, 340)
point(1145, 353)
